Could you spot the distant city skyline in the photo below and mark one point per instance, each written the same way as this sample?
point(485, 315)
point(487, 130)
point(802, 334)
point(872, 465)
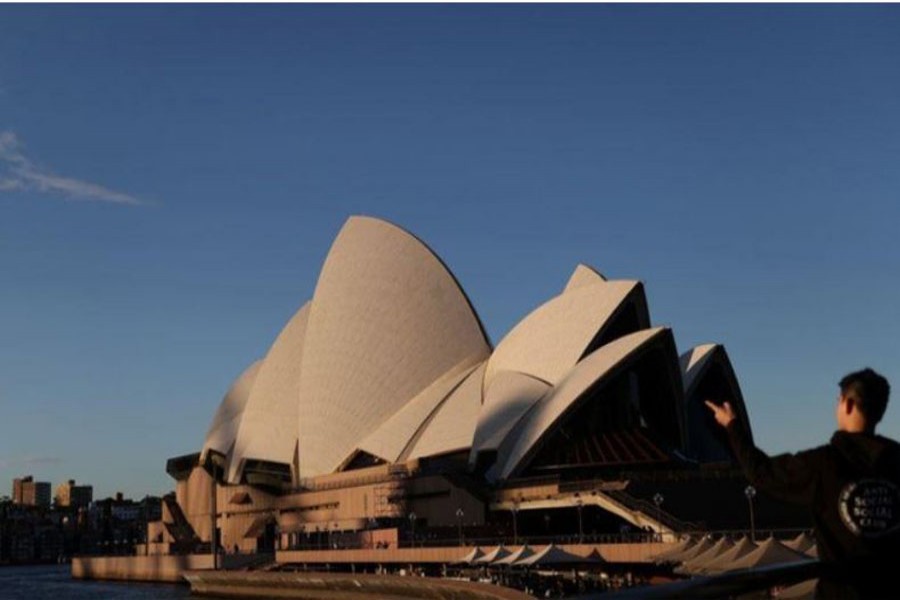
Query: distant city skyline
point(171, 178)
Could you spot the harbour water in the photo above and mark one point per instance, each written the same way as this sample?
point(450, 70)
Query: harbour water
point(54, 582)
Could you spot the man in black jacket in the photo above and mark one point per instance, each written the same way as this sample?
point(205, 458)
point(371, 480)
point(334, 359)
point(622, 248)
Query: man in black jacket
point(851, 486)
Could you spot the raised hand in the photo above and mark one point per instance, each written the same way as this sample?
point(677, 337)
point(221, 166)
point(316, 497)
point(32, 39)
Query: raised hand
point(723, 414)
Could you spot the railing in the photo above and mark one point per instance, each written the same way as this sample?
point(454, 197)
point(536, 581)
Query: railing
point(340, 542)
point(650, 510)
point(337, 544)
point(727, 585)
point(312, 485)
point(587, 485)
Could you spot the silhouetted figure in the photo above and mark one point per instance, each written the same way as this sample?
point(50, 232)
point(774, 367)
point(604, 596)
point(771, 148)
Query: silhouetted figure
point(851, 486)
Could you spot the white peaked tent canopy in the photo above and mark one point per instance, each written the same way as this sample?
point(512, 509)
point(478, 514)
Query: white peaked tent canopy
point(224, 428)
point(595, 556)
point(695, 564)
point(805, 590)
point(387, 320)
point(740, 549)
point(702, 546)
point(471, 557)
point(679, 548)
point(521, 553)
point(499, 552)
point(802, 543)
point(770, 552)
point(554, 555)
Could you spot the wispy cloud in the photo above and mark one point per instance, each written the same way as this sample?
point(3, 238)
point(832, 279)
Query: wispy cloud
point(27, 462)
point(18, 173)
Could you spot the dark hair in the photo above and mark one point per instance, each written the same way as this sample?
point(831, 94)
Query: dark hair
point(869, 391)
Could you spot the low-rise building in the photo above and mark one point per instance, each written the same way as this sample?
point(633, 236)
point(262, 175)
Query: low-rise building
point(69, 495)
point(28, 492)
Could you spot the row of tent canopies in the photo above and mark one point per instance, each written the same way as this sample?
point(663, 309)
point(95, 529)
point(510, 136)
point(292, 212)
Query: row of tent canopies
point(706, 556)
point(526, 556)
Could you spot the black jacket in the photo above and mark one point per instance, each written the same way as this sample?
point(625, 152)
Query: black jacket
point(852, 489)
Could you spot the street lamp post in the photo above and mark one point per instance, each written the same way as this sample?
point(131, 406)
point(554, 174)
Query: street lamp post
point(750, 492)
point(215, 463)
point(658, 500)
point(515, 510)
point(579, 503)
point(459, 517)
point(412, 523)
point(212, 521)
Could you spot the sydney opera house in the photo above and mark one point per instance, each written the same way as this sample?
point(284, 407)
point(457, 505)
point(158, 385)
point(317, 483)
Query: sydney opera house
point(382, 409)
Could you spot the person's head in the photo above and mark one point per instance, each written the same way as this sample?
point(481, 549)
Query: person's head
point(862, 400)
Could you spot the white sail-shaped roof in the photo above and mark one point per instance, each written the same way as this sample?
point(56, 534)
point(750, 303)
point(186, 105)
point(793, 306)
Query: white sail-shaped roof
point(700, 366)
point(506, 400)
point(224, 428)
point(693, 362)
point(387, 320)
point(590, 371)
point(452, 427)
point(388, 441)
point(582, 276)
point(548, 342)
point(268, 429)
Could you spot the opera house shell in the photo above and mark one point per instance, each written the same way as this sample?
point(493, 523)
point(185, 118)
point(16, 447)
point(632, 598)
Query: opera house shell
point(388, 364)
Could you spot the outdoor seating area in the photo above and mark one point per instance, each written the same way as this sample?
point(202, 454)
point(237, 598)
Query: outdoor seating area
point(545, 572)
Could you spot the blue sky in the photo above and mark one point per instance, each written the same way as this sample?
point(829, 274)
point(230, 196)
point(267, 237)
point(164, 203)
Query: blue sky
point(171, 178)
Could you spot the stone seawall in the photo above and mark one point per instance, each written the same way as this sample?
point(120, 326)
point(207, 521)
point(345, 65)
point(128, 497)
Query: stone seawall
point(153, 568)
point(157, 568)
point(341, 586)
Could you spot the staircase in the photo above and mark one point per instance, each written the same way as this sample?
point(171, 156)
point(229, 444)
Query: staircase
point(649, 510)
point(180, 529)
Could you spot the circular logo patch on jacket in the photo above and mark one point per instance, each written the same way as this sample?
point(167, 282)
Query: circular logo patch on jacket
point(870, 507)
